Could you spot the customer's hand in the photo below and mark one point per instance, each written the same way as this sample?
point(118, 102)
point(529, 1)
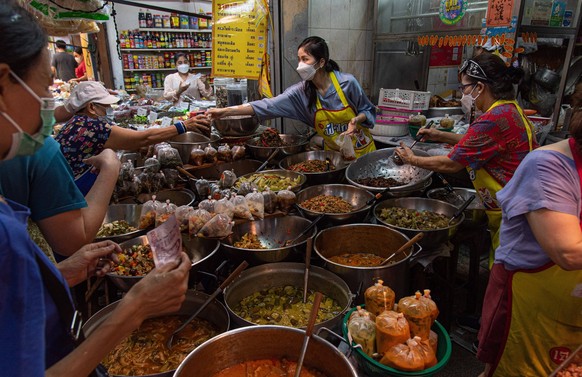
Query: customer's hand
point(199, 123)
point(107, 159)
point(95, 259)
point(162, 290)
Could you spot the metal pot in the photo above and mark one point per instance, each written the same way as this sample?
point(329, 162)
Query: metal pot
point(293, 144)
point(215, 313)
point(547, 78)
point(279, 172)
point(366, 238)
point(273, 232)
point(238, 125)
point(185, 142)
point(332, 176)
point(274, 275)
point(432, 238)
point(439, 112)
point(475, 212)
point(263, 342)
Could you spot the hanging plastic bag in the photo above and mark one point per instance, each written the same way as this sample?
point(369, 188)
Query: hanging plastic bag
point(149, 209)
point(238, 152)
point(256, 204)
point(183, 216)
point(346, 147)
point(219, 226)
point(224, 153)
point(197, 219)
point(241, 208)
point(270, 200)
point(286, 199)
point(224, 206)
point(227, 179)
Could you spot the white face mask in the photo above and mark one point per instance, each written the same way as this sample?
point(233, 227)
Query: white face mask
point(306, 71)
point(78, 60)
point(467, 101)
point(183, 68)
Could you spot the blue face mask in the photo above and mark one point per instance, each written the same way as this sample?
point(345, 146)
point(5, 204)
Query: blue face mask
point(24, 144)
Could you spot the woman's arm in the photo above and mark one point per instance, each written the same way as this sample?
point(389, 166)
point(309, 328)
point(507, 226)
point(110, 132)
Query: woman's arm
point(126, 139)
point(169, 89)
point(559, 235)
point(217, 113)
point(441, 164)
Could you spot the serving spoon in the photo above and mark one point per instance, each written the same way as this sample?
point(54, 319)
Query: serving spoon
point(308, 331)
point(397, 160)
point(409, 243)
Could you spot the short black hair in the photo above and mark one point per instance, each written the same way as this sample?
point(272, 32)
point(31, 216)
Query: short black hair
point(79, 50)
point(22, 39)
point(61, 44)
point(179, 55)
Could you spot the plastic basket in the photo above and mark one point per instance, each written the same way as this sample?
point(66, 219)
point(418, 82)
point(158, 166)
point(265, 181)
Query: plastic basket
point(391, 119)
point(404, 99)
point(383, 110)
point(374, 368)
point(389, 129)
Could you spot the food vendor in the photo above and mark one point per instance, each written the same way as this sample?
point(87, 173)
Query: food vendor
point(37, 309)
point(91, 130)
point(185, 83)
point(495, 143)
point(331, 101)
point(81, 70)
point(531, 316)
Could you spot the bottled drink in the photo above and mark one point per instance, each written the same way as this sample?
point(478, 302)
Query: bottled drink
point(141, 18)
point(149, 20)
point(149, 42)
point(131, 40)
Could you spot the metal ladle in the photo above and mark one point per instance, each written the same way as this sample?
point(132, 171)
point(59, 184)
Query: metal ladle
point(308, 331)
point(397, 160)
point(410, 242)
point(461, 209)
point(308, 247)
point(304, 232)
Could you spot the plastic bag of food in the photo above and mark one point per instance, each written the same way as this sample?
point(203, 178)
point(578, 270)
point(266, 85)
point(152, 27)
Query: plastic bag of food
point(391, 329)
point(218, 227)
point(346, 147)
point(197, 156)
point(238, 152)
point(151, 165)
point(286, 199)
point(256, 204)
point(126, 171)
point(135, 186)
point(164, 212)
point(227, 179)
point(246, 187)
point(157, 181)
point(433, 340)
point(210, 154)
point(149, 209)
point(224, 206)
point(172, 177)
point(169, 158)
point(427, 352)
point(197, 219)
point(418, 314)
point(215, 193)
point(224, 153)
point(207, 204)
point(226, 193)
point(270, 200)
point(379, 297)
point(434, 310)
point(241, 208)
point(158, 147)
point(405, 357)
point(363, 330)
point(202, 188)
point(183, 216)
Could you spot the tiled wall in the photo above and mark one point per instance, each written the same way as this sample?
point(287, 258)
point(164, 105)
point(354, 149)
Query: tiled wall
point(347, 26)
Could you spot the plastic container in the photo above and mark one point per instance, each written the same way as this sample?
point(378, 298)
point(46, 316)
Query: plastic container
point(404, 99)
point(220, 90)
point(390, 129)
point(236, 94)
point(373, 368)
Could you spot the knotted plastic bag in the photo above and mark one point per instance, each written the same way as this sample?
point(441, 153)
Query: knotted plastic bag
point(256, 204)
point(363, 330)
point(405, 357)
point(149, 209)
point(418, 314)
point(286, 199)
point(391, 329)
point(346, 147)
point(197, 219)
point(241, 208)
point(379, 298)
point(219, 226)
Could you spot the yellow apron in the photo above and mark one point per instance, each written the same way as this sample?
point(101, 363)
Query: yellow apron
point(486, 186)
point(329, 124)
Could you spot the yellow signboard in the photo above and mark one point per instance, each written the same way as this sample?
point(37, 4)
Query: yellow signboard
point(239, 38)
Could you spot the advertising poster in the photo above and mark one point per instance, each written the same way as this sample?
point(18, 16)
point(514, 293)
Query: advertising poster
point(499, 13)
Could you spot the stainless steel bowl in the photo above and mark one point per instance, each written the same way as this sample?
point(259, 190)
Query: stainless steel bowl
point(280, 172)
point(475, 212)
point(294, 144)
point(273, 232)
point(238, 125)
point(432, 238)
point(332, 176)
point(215, 313)
point(201, 252)
point(128, 212)
point(380, 164)
point(187, 141)
point(434, 112)
point(263, 342)
point(356, 196)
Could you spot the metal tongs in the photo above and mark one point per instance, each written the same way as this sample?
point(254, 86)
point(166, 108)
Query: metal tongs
point(397, 160)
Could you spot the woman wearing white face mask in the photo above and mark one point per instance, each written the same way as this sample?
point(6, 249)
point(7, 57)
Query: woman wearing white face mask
point(81, 70)
point(495, 143)
point(92, 130)
point(184, 82)
point(331, 101)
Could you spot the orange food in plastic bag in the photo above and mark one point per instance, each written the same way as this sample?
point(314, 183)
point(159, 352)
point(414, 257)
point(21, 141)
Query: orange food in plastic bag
point(391, 329)
point(434, 310)
point(379, 298)
point(362, 328)
point(433, 340)
point(418, 314)
point(405, 357)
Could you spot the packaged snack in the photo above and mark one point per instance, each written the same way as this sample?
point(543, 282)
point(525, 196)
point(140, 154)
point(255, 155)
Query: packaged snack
point(164, 212)
point(210, 154)
point(256, 204)
point(202, 188)
point(183, 216)
point(197, 219)
point(405, 357)
point(148, 213)
point(169, 158)
point(391, 329)
point(225, 207)
point(246, 187)
point(379, 298)
point(418, 314)
point(207, 204)
point(241, 208)
point(219, 226)
point(238, 152)
point(197, 156)
point(286, 199)
point(227, 179)
point(269, 200)
point(363, 330)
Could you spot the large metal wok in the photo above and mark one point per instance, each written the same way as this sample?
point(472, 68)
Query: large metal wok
point(215, 313)
point(293, 144)
point(263, 342)
point(272, 232)
point(381, 164)
point(432, 238)
point(317, 178)
point(274, 275)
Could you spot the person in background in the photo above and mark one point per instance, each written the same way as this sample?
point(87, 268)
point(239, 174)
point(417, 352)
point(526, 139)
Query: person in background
point(330, 101)
point(81, 70)
point(531, 316)
point(185, 83)
point(91, 130)
point(37, 309)
point(495, 143)
point(63, 64)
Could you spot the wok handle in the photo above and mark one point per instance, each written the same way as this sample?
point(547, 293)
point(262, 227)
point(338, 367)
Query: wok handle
point(378, 196)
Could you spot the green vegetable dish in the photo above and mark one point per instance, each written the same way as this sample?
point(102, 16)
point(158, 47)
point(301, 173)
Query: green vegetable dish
point(115, 228)
point(273, 181)
point(413, 219)
point(284, 306)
